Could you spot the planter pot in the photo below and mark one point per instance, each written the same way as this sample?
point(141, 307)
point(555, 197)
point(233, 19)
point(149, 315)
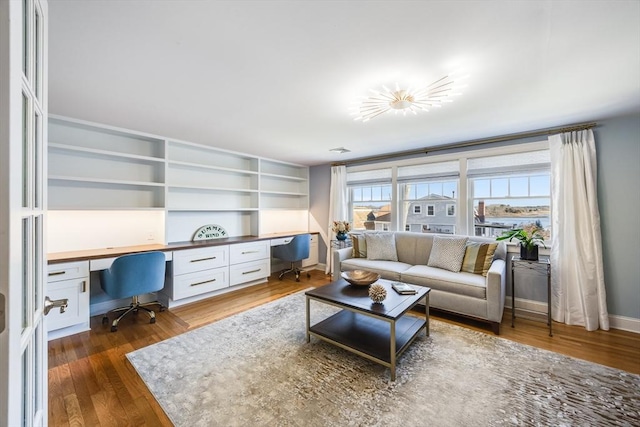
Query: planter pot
point(341, 236)
point(529, 254)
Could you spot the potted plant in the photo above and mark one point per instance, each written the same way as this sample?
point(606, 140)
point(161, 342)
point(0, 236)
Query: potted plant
point(529, 240)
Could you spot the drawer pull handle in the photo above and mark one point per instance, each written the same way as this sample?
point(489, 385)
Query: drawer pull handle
point(84, 286)
point(250, 252)
point(252, 271)
point(203, 283)
point(56, 273)
point(203, 259)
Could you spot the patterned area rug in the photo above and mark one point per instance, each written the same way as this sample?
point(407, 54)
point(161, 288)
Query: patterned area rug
point(255, 368)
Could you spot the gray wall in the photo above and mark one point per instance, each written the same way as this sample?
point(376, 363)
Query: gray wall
point(618, 152)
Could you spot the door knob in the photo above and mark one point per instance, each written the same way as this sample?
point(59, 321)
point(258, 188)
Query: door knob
point(48, 304)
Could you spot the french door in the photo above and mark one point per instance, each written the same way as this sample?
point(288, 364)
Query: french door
point(23, 119)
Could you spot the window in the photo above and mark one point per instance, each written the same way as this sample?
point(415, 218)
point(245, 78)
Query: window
point(435, 183)
point(451, 210)
point(477, 192)
point(370, 194)
point(511, 191)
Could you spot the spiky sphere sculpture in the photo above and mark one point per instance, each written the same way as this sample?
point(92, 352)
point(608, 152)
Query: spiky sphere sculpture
point(377, 292)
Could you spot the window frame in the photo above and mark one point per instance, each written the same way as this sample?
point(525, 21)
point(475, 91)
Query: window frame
point(431, 210)
point(464, 209)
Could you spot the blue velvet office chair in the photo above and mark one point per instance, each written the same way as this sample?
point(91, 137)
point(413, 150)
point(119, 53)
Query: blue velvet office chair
point(296, 250)
point(130, 276)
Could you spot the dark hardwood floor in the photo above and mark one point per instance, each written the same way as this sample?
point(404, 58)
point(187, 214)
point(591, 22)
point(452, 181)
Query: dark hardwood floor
point(91, 383)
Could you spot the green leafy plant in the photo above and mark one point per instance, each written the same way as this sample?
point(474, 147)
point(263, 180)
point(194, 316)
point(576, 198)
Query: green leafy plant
point(527, 238)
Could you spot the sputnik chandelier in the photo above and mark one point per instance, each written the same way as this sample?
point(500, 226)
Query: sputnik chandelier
point(409, 100)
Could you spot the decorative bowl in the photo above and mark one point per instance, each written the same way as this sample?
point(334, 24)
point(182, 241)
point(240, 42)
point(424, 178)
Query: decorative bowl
point(360, 277)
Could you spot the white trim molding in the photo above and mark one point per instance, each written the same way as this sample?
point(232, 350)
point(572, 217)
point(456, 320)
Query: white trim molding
point(538, 310)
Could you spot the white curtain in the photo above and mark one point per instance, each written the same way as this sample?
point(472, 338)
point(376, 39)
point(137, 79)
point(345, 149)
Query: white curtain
point(578, 292)
point(338, 205)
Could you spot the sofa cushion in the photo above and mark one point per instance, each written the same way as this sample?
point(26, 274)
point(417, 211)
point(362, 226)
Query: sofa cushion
point(478, 257)
point(359, 245)
point(447, 253)
point(389, 270)
point(381, 246)
point(468, 284)
point(413, 248)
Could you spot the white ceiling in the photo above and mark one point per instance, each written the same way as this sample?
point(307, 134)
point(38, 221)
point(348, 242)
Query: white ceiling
point(277, 78)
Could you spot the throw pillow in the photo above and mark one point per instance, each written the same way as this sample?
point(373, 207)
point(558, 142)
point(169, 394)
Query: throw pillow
point(447, 252)
point(359, 244)
point(381, 246)
point(478, 257)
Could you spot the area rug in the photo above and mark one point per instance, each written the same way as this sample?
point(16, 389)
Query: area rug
point(256, 368)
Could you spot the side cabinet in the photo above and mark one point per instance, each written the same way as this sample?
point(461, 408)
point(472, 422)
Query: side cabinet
point(70, 281)
point(313, 252)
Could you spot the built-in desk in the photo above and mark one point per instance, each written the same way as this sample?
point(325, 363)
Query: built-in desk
point(241, 261)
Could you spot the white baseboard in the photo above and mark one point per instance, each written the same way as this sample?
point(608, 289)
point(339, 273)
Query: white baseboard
point(537, 309)
point(624, 323)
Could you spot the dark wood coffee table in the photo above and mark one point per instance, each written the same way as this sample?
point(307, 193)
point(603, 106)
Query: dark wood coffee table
point(379, 332)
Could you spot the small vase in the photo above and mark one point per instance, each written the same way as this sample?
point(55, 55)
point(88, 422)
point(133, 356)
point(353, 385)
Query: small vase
point(529, 254)
point(341, 236)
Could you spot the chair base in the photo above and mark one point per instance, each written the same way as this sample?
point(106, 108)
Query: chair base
point(134, 307)
point(294, 270)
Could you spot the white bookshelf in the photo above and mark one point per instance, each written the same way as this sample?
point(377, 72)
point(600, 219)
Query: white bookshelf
point(95, 167)
point(99, 167)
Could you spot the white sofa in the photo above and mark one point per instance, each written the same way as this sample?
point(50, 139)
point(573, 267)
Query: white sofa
point(462, 293)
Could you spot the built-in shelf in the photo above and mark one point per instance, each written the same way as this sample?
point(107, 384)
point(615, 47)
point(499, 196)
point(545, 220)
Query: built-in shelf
point(65, 147)
point(98, 167)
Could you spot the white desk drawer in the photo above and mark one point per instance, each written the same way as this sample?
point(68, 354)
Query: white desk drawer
point(245, 252)
point(105, 263)
point(67, 270)
point(249, 271)
point(200, 282)
point(314, 239)
point(191, 260)
point(281, 241)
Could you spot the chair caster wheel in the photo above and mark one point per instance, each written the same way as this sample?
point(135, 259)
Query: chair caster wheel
point(297, 279)
point(308, 275)
point(162, 308)
point(152, 320)
point(114, 328)
point(105, 320)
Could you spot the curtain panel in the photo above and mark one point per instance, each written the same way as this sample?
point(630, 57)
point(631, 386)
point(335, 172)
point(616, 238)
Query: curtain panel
point(338, 206)
point(577, 275)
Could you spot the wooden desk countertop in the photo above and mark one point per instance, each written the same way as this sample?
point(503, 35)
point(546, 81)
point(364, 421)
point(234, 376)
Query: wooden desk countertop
point(89, 254)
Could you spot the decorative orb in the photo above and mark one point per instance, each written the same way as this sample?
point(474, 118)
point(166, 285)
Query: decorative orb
point(377, 293)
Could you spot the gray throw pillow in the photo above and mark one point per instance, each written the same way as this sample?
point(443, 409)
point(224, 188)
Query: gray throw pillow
point(447, 253)
point(381, 246)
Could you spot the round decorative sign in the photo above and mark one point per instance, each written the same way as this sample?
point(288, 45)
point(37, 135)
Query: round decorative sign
point(210, 231)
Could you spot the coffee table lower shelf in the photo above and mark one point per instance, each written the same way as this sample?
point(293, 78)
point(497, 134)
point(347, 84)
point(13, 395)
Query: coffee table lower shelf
point(368, 336)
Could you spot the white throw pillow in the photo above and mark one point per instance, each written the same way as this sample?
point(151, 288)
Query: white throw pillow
point(381, 246)
point(447, 252)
